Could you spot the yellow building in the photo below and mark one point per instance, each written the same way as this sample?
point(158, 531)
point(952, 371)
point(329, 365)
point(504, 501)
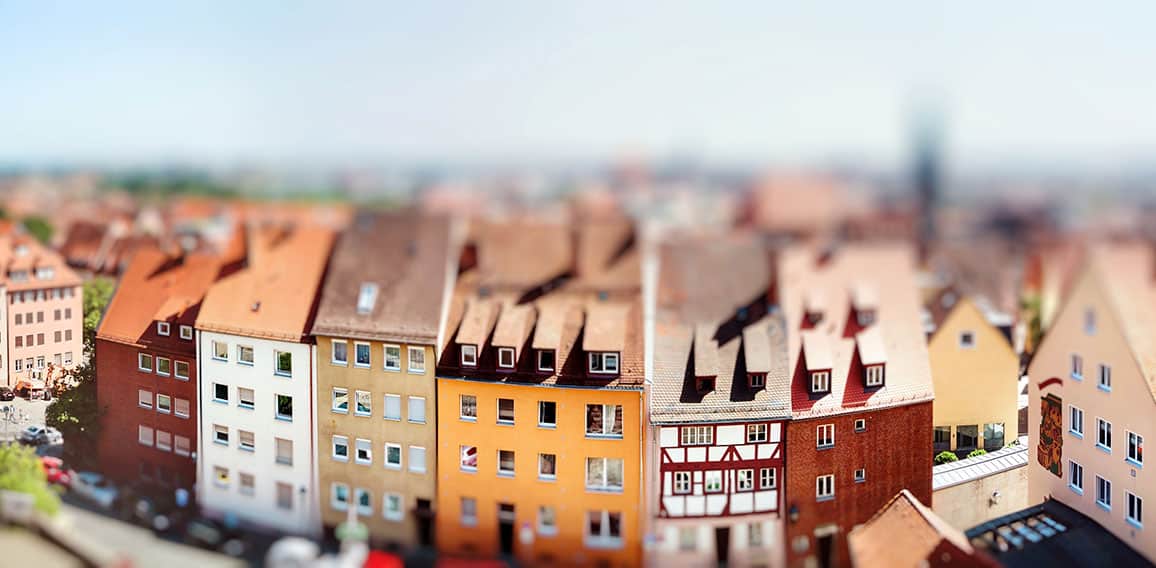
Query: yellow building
point(376, 329)
point(540, 406)
point(975, 371)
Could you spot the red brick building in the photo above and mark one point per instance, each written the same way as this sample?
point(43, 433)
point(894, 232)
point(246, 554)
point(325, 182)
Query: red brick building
point(146, 369)
point(861, 393)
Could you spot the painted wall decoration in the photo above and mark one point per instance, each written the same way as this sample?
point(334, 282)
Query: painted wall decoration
point(1049, 451)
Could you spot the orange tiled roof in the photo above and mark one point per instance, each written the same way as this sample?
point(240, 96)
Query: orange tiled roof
point(24, 253)
point(906, 533)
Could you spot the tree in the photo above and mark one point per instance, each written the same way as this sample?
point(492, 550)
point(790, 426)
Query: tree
point(97, 293)
point(39, 227)
point(945, 457)
point(20, 471)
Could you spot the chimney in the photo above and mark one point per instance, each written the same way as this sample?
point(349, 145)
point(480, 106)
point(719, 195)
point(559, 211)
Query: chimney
point(575, 234)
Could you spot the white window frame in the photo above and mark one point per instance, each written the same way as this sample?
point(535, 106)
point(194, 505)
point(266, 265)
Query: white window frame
point(1075, 473)
point(365, 510)
point(177, 369)
point(333, 406)
point(368, 352)
point(503, 354)
point(186, 332)
point(513, 411)
point(385, 411)
point(140, 362)
point(463, 455)
point(1104, 493)
point(825, 487)
point(513, 461)
point(164, 329)
point(386, 509)
point(418, 466)
point(277, 362)
point(144, 435)
point(420, 402)
point(825, 436)
point(967, 339)
point(169, 403)
point(358, 396)
point(609, 411)
point(333, 360)
point(745, 479)
point(1077, 366)
point(1134, 509)
point(246, 404)
point(335, 503)
point(542, 460)
point(385, 364)
point(469, 355)
point(1100, 422)
point(860, 475)
point(220, 430)
point(216, 351)
point(410, 358)
point(541, 405)
point(177, 446)
point(605, 539)
point(366, 297)
point(362, 444)
point(768, 478)
point(603, 485)
point(157, 362)
point(1135, 448)
point(712, 481)
point(544, 528)
point(277, 458)
point(875, 375)
point(251, 446)
point(400, 457)
point(696, 435)
point(217, 398)
point(821, 381)
point(551, 367)
point(1104, 377)
point(1072, 424)
point(682, 483)
point(469, 518)
point(144, 398)
point(164, 441)
point(177, 410)
point(336, 443)
point(603, 359)
point(462, 407)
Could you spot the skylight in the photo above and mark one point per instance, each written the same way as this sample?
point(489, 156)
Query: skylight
point(366, 297)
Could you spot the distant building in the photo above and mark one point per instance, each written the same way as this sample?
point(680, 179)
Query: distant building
point(975, 490)
point(906, 533)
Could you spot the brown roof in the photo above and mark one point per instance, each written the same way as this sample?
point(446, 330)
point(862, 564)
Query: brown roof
point(24, 253)
point(274, 295)
point(156, 286)
point(906, 533)
point(605, 328)
point(705, 351)
point(407, 256)
point(869, 342)
point(889, 269)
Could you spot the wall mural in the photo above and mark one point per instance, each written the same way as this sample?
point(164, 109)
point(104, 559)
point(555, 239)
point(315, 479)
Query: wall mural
point(1049, 451)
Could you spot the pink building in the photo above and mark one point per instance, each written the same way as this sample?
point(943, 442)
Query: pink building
point(42, 313)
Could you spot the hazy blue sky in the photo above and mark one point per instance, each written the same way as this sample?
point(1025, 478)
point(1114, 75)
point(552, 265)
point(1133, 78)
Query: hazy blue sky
point(786, 82)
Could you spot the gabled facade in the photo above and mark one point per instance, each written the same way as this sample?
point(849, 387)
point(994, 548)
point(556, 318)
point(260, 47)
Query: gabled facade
point(1092, 397)
point(376, 331)
point(256, 444)
point(540, 409)
point(718, 405)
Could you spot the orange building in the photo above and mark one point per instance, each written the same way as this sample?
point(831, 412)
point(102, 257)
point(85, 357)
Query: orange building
point(540, 406)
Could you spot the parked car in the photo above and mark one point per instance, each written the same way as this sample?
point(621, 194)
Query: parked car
point(55, 471)
point(95, 488)
point(40, 435)
point(6, 394)
point(212, 535)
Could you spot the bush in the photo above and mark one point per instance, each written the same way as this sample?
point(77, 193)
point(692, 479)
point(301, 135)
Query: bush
point(20, 471)
point(977, 453)
point(945, 457)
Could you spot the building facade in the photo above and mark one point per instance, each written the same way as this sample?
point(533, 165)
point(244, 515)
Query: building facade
point(376, 332)
point(1092, 403)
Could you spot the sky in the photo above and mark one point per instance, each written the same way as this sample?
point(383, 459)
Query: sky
point(1046, 83)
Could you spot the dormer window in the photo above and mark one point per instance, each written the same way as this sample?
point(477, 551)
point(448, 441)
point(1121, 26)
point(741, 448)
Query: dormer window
point(967, 340)
point(756, 380)
point(505, 358)
point(814, 317)
point(21, 250)
point(45, 273)
point(821, 381)
point(603, 363)
point(873, 375)
point(546, 360)
point(163, 328)
point(865, 317)
point(18, 275)
point(469, 355)
point(1089, 321)
point(366, 297)
point(704, 384)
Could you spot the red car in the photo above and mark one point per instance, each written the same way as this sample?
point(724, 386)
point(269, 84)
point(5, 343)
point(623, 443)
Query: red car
point(55, 471)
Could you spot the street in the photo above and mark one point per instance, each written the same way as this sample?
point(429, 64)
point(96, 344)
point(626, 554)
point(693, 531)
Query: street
point(17, 414)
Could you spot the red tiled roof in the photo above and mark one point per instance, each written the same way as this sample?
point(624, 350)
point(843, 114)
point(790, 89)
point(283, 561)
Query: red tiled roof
point(906, 533)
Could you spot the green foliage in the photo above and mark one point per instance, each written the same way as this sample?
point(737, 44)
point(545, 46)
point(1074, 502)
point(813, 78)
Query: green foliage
point(977, 453)
point(39, 227)
point(97, 293)
point(20, 470)
point(1032, 305)
point(945, 457)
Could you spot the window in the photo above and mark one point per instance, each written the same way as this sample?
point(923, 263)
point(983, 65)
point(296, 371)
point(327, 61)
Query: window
point(68, 354)
point(545, 359)
point(391, 508)
point(875, 376)
point(164, 440)
point(361, 354)
point(220, 351)
point(681, 482)
point(164, 403)
point(163, 328)
point(688, 538)
point(468, 407)
point(1105, 378)
point(860, 424)
point(417, 459)
point(416, 359)
point(547, 521)
point(20, 343)
point(393, 456)
point(284, 494)
point(246, 441)
point(417, 409)
point(547, 414)
point(364, 403)
point(469, 458)
point(56, 336)
point(284, 361)
point(820, 381)
point(144, 361)
point(40, 362)
point(993, 437)
point(340, 401)
point(1103, 493)
point(697, 435)
point(469, 511)
point(1076, 477)
point(1076, 420)
point(68, 335)
point(505, 411)
point(181, 408)
point(182, 369)
point(755, 535)
point(339, 355)
point(604, 474)
point(604, 420)
point(220, 393)
point(221, 476)
point(825, 436)
point(547, 466)
point(756, 433)
point(967, 340)
point(19, 319)
point(745, 479)
point(19, 363)
point(245, 398)
point(339, 496)
point(364, 452)
point(505, 358)
point(144, 398)
point(144, 435)
point(340, 448)
point(284, 407)
point(186, 332)
point(1077, 367)
point(1104, 434)
point(603, 362)
point(767, 478)
point(1135, 448)
point(756, 380)
point(366, 297)
point(55, 314)
point(967, 437)
point(469, 355)
point(824, 487)
point(1135, 510)
point(220, 434)
point(284, 451)
point(603, 529)
point(860, 475)
point(506, 463)
point(392, 407)
point(182, 446)
point(248, 484)
point(164, 366)
point(1089, 321)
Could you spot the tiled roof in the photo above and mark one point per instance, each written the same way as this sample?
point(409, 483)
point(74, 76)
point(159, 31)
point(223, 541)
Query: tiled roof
point(406, 255)
point(1126, 270)
point(906, 533)
point(22, 252)
point(970, 469)
point(833, 274)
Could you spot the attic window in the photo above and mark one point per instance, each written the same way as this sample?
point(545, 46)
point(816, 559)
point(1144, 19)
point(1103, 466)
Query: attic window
point(865, 316)
point(18, 275)
point(603, 362)
point(967, 339)
point(947, 300)
point(505, 358)
point(45, 273)
point(469, 355)
point(873, 375)
point(366, 297)
point(814, 317)
point(704, 384)
point(546, 360)
point(21, 250)
point(163, 328)
point(1089, 321)
point(756, 380)
point(821, 381)
point(256, 306)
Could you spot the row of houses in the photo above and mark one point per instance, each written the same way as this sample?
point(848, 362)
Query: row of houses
point(551, 391)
